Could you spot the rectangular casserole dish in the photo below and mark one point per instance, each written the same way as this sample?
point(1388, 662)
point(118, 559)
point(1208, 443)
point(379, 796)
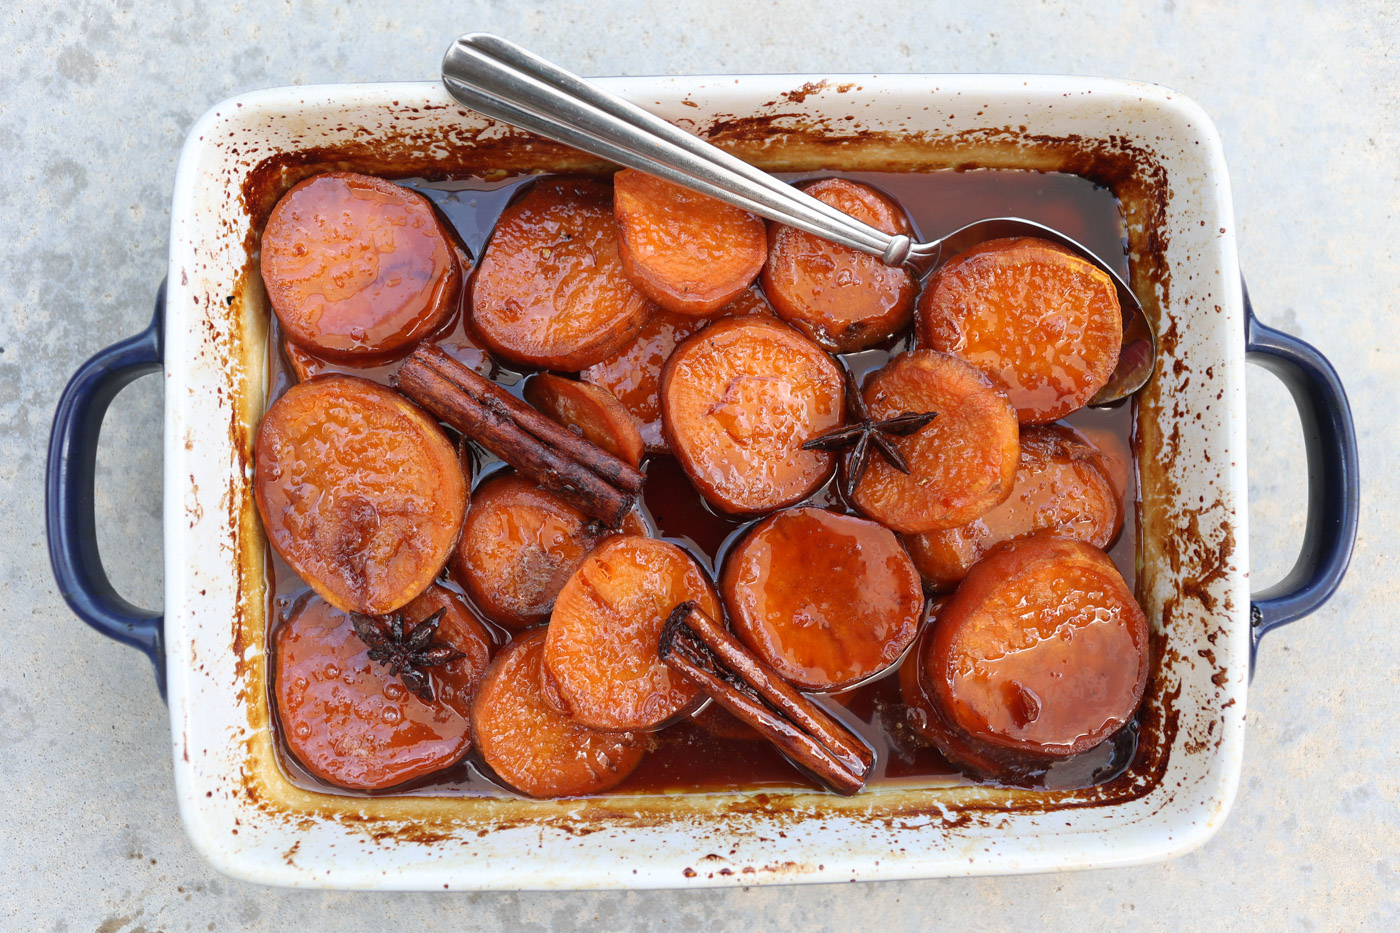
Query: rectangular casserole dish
point(1160, 155)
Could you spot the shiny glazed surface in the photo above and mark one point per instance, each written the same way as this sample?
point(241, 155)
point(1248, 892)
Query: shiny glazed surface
point(359, 491)
point(960, 465)
point(351, 722)
point(357, 266)
point(842, 298)
point(1040, 320)
point(590, 411)
point(738, 400)
point(827, 599)
point(549, 290)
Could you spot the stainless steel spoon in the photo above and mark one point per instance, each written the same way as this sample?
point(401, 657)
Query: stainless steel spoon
point(501, 80)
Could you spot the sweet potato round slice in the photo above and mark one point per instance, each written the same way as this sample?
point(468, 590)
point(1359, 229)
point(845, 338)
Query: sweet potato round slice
point(356, 266)
point(840, 297)
point(549, 290)
point(1041, 653)
point(359, 491)
point(961, 464)
point(1040, 319)
point(738, 400)
point(601, 652)
point(455, 682)
point(686, 251)
point(520, 544)
point(536, 749)
point(828, 600)
point(591, 411)
point(352, 723)
point(1061, 488)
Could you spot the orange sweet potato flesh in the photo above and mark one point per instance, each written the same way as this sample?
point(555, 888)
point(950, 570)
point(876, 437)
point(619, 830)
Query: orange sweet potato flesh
point(738, 400)
point(601, 651)
point(828, 600)
point(356, 266)
point(1041, 653)
point(592, 411)
point(962, 464)
point(634, 374)
point(352, 723)
point(1062, 487)
point(1044, 322)
point(359, 491)
point(455, 682)
point(840, 297)
point(549, 290)
point(519, 546)
point(534, 748)
point(686, 251)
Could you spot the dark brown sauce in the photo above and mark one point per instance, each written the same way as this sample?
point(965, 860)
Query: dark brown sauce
point(685, 757)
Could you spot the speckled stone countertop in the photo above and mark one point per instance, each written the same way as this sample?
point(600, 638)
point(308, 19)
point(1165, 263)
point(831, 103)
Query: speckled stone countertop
point(95, 99)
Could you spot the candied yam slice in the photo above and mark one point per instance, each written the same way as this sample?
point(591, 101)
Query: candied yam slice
point(536, 749)
point(1040, 319)
point(359, 491)
point(455, 682)
point(1041, 652)
point(601, 651)
point(591, 411)
point(519, 546)
point(738, 400)
point(549, 290)
point(840, 297)
point(357, 266)
point(1061, 488)
point(961, 464)
point(688, 252)
point(828, 600)
point(346, 718)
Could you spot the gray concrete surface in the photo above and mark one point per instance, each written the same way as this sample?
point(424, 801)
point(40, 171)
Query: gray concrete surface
point(95, 99)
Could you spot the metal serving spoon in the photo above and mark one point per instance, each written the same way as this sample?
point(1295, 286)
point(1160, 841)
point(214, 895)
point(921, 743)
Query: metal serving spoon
point(501, 80)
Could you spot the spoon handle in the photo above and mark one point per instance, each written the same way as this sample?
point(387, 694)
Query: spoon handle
point(503, 81)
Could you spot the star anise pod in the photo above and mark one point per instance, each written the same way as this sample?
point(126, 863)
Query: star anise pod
point(407, 656)
point(863, 431)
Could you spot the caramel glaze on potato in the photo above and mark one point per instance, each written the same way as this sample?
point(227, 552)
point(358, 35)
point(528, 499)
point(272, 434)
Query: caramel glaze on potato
point(1062, 487)
point(352, 723)
point(360, 492)
point(828, 600)
point(1042, 653)
point(1041, 320)
point(960, 465)
point(549, 290)
point(738, 400)
point(590, 411)
point(357, 266)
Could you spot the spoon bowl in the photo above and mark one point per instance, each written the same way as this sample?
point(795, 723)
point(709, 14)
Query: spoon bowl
point(505, 82)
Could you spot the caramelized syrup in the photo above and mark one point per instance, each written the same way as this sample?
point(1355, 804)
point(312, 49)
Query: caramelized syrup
point(685, 757)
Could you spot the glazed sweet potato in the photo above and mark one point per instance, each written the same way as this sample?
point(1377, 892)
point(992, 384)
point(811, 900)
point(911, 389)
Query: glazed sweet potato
point(550, 291)
point(455, 682)
point(1041, 653)
point(1040, 319)
point(601, 650)
point(356, 266)
point(532, 747)
point(840, 297)
point(352, 723)
point(519, 546)
point(1062, 487)
point(962, 463)
point(687, 252)
point(359, 492)
point(738, 400)
point(589, 410)
point(828, 600)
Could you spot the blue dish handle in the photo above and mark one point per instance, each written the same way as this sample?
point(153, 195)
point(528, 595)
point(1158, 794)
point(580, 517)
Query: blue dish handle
point(68, 491)
point(1334, 487)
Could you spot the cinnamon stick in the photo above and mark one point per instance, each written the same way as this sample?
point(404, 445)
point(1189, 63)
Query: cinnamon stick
point(576, 470)
point(699, 647)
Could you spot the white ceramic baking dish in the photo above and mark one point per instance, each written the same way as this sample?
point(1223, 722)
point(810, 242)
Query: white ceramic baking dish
point(1163, 159)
